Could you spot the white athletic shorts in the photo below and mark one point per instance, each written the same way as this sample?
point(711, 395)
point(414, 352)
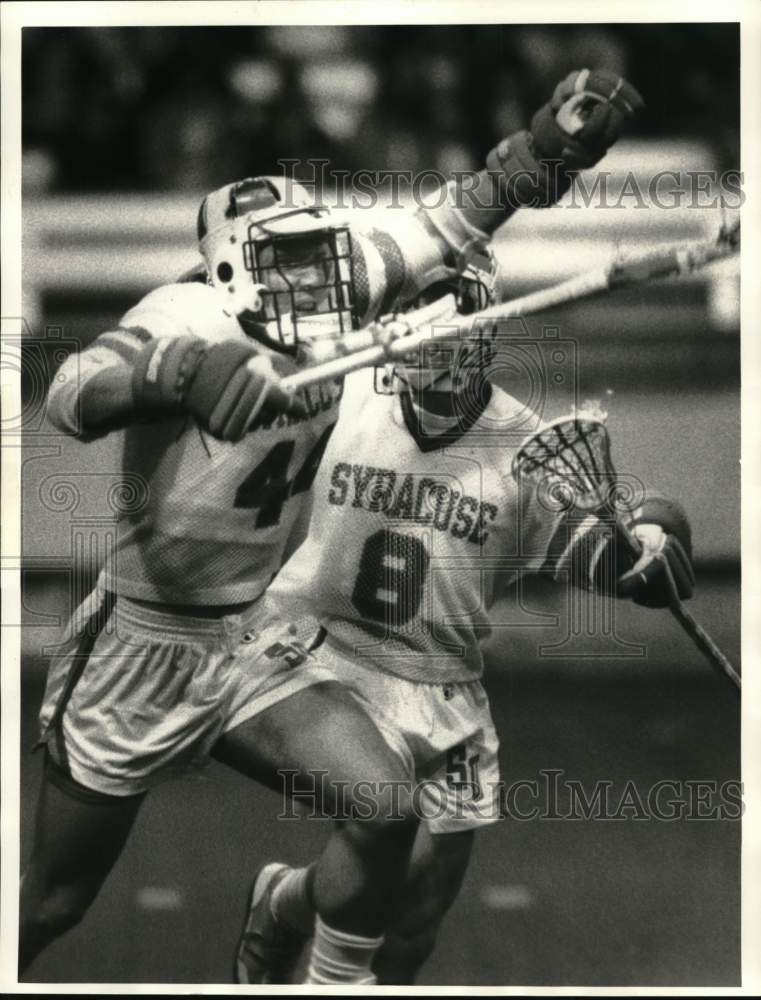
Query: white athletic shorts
point(443, 733)
point(139, 695)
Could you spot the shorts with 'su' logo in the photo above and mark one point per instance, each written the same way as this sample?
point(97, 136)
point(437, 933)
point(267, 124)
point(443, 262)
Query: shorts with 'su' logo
point(443, 733)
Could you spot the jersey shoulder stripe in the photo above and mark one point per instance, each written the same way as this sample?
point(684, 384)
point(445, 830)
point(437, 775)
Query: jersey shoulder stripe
point(395, 271)
point(126, 343)
point(361, 280)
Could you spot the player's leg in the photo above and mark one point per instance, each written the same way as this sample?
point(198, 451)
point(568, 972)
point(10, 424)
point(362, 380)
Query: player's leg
point(460, 792)
point(78, 836)
point(356, 884)
point(127, 701)
point(434, 879)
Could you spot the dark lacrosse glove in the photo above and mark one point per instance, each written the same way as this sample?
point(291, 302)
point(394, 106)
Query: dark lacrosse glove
point(585, 116)
point(224, 386)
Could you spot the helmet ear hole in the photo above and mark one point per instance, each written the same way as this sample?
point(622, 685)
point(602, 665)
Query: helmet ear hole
point(224, 271)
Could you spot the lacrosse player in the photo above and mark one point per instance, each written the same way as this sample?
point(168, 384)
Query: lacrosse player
point(418, 525)
point(174, 656)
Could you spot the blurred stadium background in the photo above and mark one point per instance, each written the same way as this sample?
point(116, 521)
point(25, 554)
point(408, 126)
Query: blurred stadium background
point(124, 130)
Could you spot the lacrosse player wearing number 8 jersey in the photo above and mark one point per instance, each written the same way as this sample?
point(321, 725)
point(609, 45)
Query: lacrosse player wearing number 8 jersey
point(176, 656)
point(417, 525)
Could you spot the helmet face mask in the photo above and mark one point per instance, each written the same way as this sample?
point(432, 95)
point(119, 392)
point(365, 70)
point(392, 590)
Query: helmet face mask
point(453, 367)
point(448, 365)
point(283, 264)
point(305, 283)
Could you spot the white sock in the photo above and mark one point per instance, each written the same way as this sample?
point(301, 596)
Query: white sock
point(290, 901)
point(338, 957)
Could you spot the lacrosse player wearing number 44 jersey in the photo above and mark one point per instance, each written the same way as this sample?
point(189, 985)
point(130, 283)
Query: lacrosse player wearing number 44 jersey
point(155, 680)
point(175, 656)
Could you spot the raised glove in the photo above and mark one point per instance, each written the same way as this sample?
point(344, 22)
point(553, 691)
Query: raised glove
point(584, 117)
point(223, 385)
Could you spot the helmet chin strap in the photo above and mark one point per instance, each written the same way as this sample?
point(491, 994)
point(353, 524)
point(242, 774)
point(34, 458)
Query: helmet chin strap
point(440, 403)
point(440, 383)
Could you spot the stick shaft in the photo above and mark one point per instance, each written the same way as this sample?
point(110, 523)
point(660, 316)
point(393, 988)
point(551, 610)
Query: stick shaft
point(579, 287)
point(334, 368)
point(705, 643)
point(575, 288)
point(372, 346)
point(674, 259)
point(721, 663)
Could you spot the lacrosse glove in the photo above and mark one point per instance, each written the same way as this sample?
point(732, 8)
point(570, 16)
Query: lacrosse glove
point(661, 527)
point(224, 386)
point(584, 117)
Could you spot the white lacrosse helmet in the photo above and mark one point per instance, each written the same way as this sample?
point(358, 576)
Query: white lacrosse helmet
point(281, 261)
point(442, 363)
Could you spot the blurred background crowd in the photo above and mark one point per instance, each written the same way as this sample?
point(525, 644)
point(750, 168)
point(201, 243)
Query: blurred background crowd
point(170, 109)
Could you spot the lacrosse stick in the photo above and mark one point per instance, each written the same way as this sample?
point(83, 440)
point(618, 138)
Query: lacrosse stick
point(389, 341)
point(570, 458)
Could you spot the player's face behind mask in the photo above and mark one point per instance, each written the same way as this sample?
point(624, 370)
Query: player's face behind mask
point(444, 369)
point(302, 295)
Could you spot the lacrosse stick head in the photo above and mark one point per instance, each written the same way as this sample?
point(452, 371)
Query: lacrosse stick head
point(568, 463)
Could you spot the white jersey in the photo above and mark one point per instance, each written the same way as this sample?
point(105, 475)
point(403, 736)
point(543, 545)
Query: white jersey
point(411, 536)
point(217, 514)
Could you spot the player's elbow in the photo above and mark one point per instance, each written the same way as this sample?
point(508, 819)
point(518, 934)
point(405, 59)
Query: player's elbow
point(91, 394)
point(63, 399)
